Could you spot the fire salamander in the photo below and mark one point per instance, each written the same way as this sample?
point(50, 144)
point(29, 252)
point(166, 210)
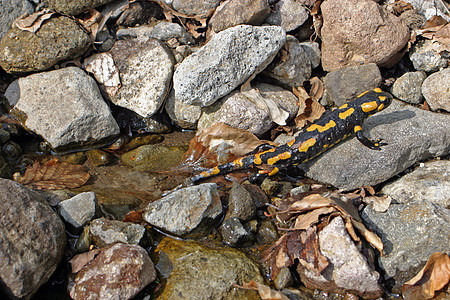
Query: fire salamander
point(330, 129)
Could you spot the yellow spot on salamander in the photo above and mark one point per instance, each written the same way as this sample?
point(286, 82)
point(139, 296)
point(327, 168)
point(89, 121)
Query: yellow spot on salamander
point(382, 98)
point(343, 106)
point(362, 94)
point(319, 128)
point(346, 113)
point(381, 106)
point(305, 145)
point(257, 160)
point(369, 106)
point(274, 171)
point(291, 143)
point(215, 171)
point(325, 146)
point(238, 162)
point(377, 90)
point(357, 128)
point(281, 156)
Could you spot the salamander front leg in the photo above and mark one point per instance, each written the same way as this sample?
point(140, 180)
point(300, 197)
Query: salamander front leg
point(374, 145)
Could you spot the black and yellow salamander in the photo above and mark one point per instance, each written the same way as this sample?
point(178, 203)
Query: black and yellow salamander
point(330, 129)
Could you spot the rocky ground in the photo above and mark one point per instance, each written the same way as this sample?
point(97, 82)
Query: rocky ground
point(121, 87)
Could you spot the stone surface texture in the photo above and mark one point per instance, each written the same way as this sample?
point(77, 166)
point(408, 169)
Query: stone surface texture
point(184, 115)
point(78, 210)
point(10, 10)
point(63, 106)
point(32, 240)
point(436, 90)
point(195, 7)
point(230, 58)
point(57, 40)
point(118, 272)
point(145, 70)
point(105, 232)
point(74, 7)
point(426, 56)
point(288, 14)
point(408, 87)
point(356, 32)
point(185, 210)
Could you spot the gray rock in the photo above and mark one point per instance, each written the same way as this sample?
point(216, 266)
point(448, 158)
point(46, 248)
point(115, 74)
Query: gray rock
point(11, 150)
point(195, 7)
point(57, 40)
point(348, 271)
point(436, 90)
point(429, 8)
point(226, 61)
point(184, 115)
point(240, 111)
point(312, 49)
point(105, 232)
point(235, 12)
point(74, 7)
point(428, 182)
point(220, 268)
point(117, 272)
point(11, 10)
point(288, 14)
point(345, 84)
point(425, 56)
point(78, 210)
point(408, 87)
point(145, 70)
point(186, 211)
point(32, 240)
point(138, 13)
point(64, 106)
point(412, 134)
point(293, 69)
point(240, 203)
point(163, 31)
point(357, 32)
point(234, 233)
point(410, 233)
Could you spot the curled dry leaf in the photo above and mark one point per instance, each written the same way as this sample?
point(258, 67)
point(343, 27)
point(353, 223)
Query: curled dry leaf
point(81, 260)
point(33, 22)
point(54, 175)
point(317, 88)
point(379, 203)
point(276, 112)
point(218, 144)
point(91, 23)
point(434, 276)
point(309, 109)
point(264, 291)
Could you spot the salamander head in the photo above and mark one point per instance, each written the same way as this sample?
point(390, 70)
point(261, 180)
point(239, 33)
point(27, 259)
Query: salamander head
point(374, 101)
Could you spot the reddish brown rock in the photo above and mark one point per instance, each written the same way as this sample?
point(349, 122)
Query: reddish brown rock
point(357, 32)
point(119, 271)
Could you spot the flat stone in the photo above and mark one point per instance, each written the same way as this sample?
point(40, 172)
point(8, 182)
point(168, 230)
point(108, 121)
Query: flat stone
point(142, 91)
point(78, 211)
point(412, 135)
point(186, 210)
point(428, 182)
point(289, 14)
point(118, 272)
point(345, 84)
point(74, 7)
point(234, 233)
point(32, 240)
point(180, 262)
point(11, 10)
point(63, 106)
point(105, 232)
point(357, 32)
point(195, 7)
point(410, 233)
point(235, 12)
point(230, 58)
point(348, 270)
point(153, 157)
point(436, 90)
point(58, 39)
point(408, 87)
point(425, 56)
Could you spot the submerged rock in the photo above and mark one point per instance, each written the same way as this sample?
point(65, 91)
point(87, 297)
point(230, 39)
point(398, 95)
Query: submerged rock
point(32, 240)
point(153, 157)
point(107, 232)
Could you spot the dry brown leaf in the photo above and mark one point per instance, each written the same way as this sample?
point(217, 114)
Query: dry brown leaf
point(310, 218)
point(401, 6)
point(33, 22)
point(81, 260)
point(309, 109)
point(219, 144)
point(91, 23)
point(368, 235)
point(264, 291)
point(54, 175)
point(378, 203)
point(310, 256)
point(317, 88)
point(434, 276)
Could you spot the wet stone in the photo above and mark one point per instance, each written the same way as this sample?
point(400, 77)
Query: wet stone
point(11, 150)
point(4, 136)
point(77, 158)
point(240, 204)
point(234, 233)
point(5, 169)
point(408, 87)
point(98, 157)
point(153, 157)
point(106, 232)
point(267, 232)
point(58, 39)
point(192, 210)
point(79, 210)
point(147, 139)
point(436, 90)
point(118, 272)
point(284, 279)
